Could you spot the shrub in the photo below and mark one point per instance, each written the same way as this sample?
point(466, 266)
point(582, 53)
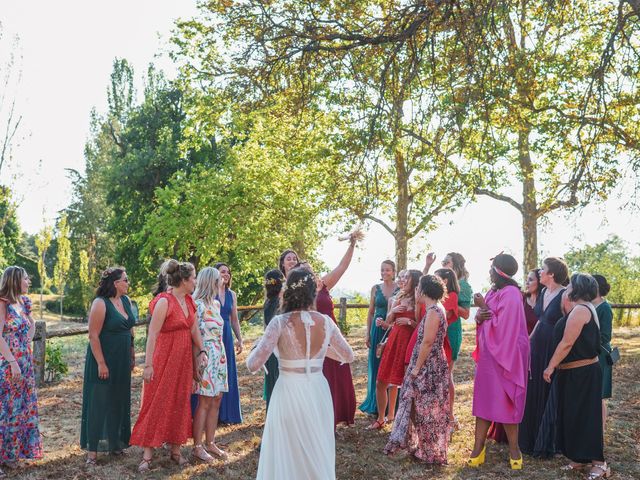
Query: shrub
point(55, 366)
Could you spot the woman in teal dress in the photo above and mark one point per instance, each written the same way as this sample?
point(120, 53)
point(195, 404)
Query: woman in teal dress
point(605, 316)
point(380, 294)
point(106, 393)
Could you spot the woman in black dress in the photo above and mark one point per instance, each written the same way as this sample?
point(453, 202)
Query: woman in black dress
point(553, 275)
point(578, 380)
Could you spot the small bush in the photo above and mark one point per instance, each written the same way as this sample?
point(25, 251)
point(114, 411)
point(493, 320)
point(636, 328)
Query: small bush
point(55, 366)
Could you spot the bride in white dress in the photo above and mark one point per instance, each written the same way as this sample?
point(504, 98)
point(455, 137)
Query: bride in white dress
point(298, 440)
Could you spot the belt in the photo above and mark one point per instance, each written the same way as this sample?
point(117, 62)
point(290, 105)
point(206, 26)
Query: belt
point(577, 363)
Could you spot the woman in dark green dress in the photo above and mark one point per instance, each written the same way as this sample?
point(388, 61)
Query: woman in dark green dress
point(106, 394)
point(273, 282)
point(605, 317)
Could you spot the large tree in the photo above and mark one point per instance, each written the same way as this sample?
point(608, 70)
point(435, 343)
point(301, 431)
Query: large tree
point(513, 80)
point(400, 154)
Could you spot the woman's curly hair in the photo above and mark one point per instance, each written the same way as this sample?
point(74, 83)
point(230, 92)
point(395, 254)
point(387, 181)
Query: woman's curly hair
point(300, 290)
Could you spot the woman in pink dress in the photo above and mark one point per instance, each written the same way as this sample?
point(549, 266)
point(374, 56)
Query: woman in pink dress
point(502, 360)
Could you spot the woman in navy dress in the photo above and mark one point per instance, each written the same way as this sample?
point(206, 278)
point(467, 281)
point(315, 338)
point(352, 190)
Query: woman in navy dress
point(230, 411)
point(554, 275)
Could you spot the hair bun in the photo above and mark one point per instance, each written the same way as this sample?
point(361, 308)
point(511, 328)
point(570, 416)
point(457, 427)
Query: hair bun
point(171, 266)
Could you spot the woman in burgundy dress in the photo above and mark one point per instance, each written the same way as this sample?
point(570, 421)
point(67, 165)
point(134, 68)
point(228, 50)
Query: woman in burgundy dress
point(402, 318)
point(338, 376)
point(165, 415)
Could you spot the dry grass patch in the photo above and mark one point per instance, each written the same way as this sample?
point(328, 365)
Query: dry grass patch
point(358, 451)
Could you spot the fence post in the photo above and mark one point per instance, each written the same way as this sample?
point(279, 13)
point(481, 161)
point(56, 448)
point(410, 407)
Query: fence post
point(39, 351)
point(342, 316)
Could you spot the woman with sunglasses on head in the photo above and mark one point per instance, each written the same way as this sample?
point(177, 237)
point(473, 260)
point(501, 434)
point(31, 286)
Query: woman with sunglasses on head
point(106, 393)
point(19, 432)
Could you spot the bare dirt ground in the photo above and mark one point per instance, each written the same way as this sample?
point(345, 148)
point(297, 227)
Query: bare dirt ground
point(358, 451)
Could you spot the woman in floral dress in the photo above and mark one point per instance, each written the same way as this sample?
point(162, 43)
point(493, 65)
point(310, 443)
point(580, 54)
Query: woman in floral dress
point(19, 433)
point(214, 376)
point(423, 420)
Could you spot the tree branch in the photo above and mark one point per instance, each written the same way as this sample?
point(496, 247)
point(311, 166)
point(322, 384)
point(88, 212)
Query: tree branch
point(498, 196)
point(366, 216)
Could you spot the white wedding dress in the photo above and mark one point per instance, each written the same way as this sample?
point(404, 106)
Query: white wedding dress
point(298, 440)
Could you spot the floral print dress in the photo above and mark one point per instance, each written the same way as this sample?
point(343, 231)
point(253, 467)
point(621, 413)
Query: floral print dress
point(423, 419)
point(214, 377)
point(19, 432)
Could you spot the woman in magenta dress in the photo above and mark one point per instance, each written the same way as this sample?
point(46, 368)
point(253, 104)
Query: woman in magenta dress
point(502, 360)
point(402, 318)
point(165, 414)
point(338, 375)
point(532, 285)
point(19, 433)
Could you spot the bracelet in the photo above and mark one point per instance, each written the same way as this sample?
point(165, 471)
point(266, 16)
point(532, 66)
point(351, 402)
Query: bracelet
point(12, 361)
point(203, 351)
point(148, 366)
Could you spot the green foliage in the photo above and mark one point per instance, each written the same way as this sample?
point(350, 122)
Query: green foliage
point(612, 260)
point(42, 243)
point(56, 367)
point(63, 258)
point(9, 229)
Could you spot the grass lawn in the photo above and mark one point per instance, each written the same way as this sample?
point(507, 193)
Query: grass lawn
point(358, 451)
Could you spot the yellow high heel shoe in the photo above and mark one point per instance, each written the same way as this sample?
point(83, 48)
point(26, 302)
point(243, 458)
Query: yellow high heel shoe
point(479, 460)
point(516, 464)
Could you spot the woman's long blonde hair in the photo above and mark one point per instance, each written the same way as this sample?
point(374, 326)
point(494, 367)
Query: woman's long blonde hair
point(208, 285)
point(11, 283)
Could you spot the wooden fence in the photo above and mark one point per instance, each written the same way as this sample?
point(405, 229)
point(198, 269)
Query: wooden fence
point(41, 335)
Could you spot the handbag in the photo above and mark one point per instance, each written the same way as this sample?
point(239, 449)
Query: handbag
point(613, 356)
point(382, 343)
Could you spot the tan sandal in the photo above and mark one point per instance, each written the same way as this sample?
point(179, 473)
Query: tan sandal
point(213, 449)
point(145, 465)
point(200, 453)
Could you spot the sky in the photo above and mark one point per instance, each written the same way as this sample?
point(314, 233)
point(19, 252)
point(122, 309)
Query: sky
point(68, 48)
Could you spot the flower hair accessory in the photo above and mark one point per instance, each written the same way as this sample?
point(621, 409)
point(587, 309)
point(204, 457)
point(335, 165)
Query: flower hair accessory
point(270, 281)
point(300, 283)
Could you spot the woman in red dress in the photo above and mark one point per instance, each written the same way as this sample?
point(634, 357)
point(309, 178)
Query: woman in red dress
point(402, 318)
point(165, 415)
point(338, 375)
point(450, 304)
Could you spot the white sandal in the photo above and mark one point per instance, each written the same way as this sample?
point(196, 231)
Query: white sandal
point(200, 453)
point(604, 472)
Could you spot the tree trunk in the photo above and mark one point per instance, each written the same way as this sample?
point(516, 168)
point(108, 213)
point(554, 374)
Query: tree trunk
point(402, 212)
point(41, 289)
point(529, 205)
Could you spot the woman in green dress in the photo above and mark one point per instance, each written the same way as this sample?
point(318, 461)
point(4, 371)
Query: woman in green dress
point(273, 283)
point(605, 316)
point(380, 295)
point(106, 394)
